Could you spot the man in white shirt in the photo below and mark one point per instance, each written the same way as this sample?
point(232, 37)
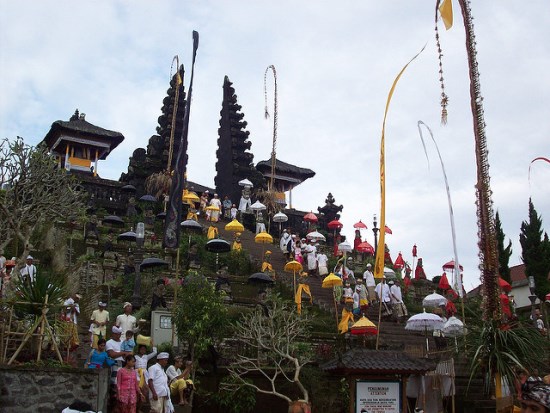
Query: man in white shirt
point(72, 311)
point(283, 243)
point(112, 347)
point(158, 384)
point(99, 319)
point(311, 252)
point(383, 294)
point(398, 306)
point(127, 321)
point(368, 276)
point(28, 272)
point(322, 261)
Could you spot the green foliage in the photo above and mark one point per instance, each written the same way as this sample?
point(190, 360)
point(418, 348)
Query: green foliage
point(506, 351)
point(45, 285)
point(504, 253)
point(535, 251)
point(235, 398)
point(200, 314)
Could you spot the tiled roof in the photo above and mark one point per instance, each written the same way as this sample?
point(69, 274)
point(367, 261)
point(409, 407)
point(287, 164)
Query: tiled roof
point(285, 168)
point(517, 272)
point(361, 360)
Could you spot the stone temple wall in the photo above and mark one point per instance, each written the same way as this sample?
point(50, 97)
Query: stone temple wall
point(43, 390)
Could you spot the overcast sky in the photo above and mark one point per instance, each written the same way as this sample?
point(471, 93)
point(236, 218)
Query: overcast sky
point(335, 64)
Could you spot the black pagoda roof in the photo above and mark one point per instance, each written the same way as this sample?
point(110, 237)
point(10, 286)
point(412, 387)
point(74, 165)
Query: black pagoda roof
point(285, 168)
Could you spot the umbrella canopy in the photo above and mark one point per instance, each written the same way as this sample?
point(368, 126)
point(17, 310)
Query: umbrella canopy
point(127, 236)
point(389, 273)
point(359, 225)
point(129, 188)
point(234, 226)
point(280, 217)
point(310, 217)
point(335, 224)
point(331, 280)
point(113, 219)
point(263, 238)
point(364, 327)
point(424, 321)
point(190, 197)
point(453, 327)
point(161, 216)
point(451, 266)
point(245, 182)
point(293, 266)
point(191, 224)
point(152, 263)
point(316, 236)
point(399, 262)
point(345, 247)
point(505, 285)
point(365, 247)
point(434, 300)
point(148, 198)
point(212, 208)
point(257, 206)
point(218, 245)
point(387, 230)
point(444, 282)
point(260, 278)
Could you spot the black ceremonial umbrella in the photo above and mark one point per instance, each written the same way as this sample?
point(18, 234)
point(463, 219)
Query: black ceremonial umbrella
point(113, 220)
point(152, 262)
point(260, 278)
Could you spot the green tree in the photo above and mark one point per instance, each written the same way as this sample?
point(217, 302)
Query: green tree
point(200, 315)
point(504, 253)
point(276, 339)
point(35, 192)
point(535, 252)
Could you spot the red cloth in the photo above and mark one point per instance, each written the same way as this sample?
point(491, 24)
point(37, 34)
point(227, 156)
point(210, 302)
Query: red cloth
point(505, 305)
point(444, 282)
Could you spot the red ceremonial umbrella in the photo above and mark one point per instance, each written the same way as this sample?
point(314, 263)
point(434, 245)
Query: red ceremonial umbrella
point(359, 225)
point(335, 224)
point(399, 262)
point(444, 282)
point(365, 247)
point(505, 304)
point(451, 266)
point(310, 217)
point(387, 230)
point(505, 285)
point(407, 281)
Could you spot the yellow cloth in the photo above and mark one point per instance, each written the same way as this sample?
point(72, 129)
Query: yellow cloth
point(446, 10)
point(237, 246)
point(266, 266)
point(363, 302)
point(141, 374)
point(302, 288)
point(192, 215)
point(212, 232)
point(347, 316)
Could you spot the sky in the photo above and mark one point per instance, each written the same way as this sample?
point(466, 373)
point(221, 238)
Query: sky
point(335, 65)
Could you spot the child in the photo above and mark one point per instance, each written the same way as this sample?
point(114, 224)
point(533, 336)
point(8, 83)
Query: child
point(129, 343)
point(233, 212)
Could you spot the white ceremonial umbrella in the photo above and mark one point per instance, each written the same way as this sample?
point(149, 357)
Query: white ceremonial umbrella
point(345, 247)
point(316, 236)
point(434, 300)
point(257, 206)
point(245, 182)
point(424, 322)
point(280, 217)
point(389, 273)
point(453, 327)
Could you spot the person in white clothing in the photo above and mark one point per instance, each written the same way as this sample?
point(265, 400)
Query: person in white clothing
point(112, 348)
point(396, 297)
point(127, 321)
point(141, 364)
point(71, 312)
point(283, 243)
point(322, 261)
point(311, 252)
point(158, 384)
point(216, 202)
point(383, 294)
point(368, 276)
point(28, 272)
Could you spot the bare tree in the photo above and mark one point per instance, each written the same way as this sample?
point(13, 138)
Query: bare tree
point(35, 192)
point(276, 341)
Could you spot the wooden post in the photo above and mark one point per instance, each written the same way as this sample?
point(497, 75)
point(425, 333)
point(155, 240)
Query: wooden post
point(42, 324)
point(176, 292)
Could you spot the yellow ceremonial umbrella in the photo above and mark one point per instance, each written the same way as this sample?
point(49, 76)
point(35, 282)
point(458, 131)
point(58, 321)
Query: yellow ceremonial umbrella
point(263, 238)
point(234, 226)
point(190, 197)
point(293, 266)
point(212, 208)
point(331, 281)
point(364, 327)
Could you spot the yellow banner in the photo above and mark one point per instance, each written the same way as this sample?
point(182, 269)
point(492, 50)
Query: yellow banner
point(380, 249)
point(446, 11)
